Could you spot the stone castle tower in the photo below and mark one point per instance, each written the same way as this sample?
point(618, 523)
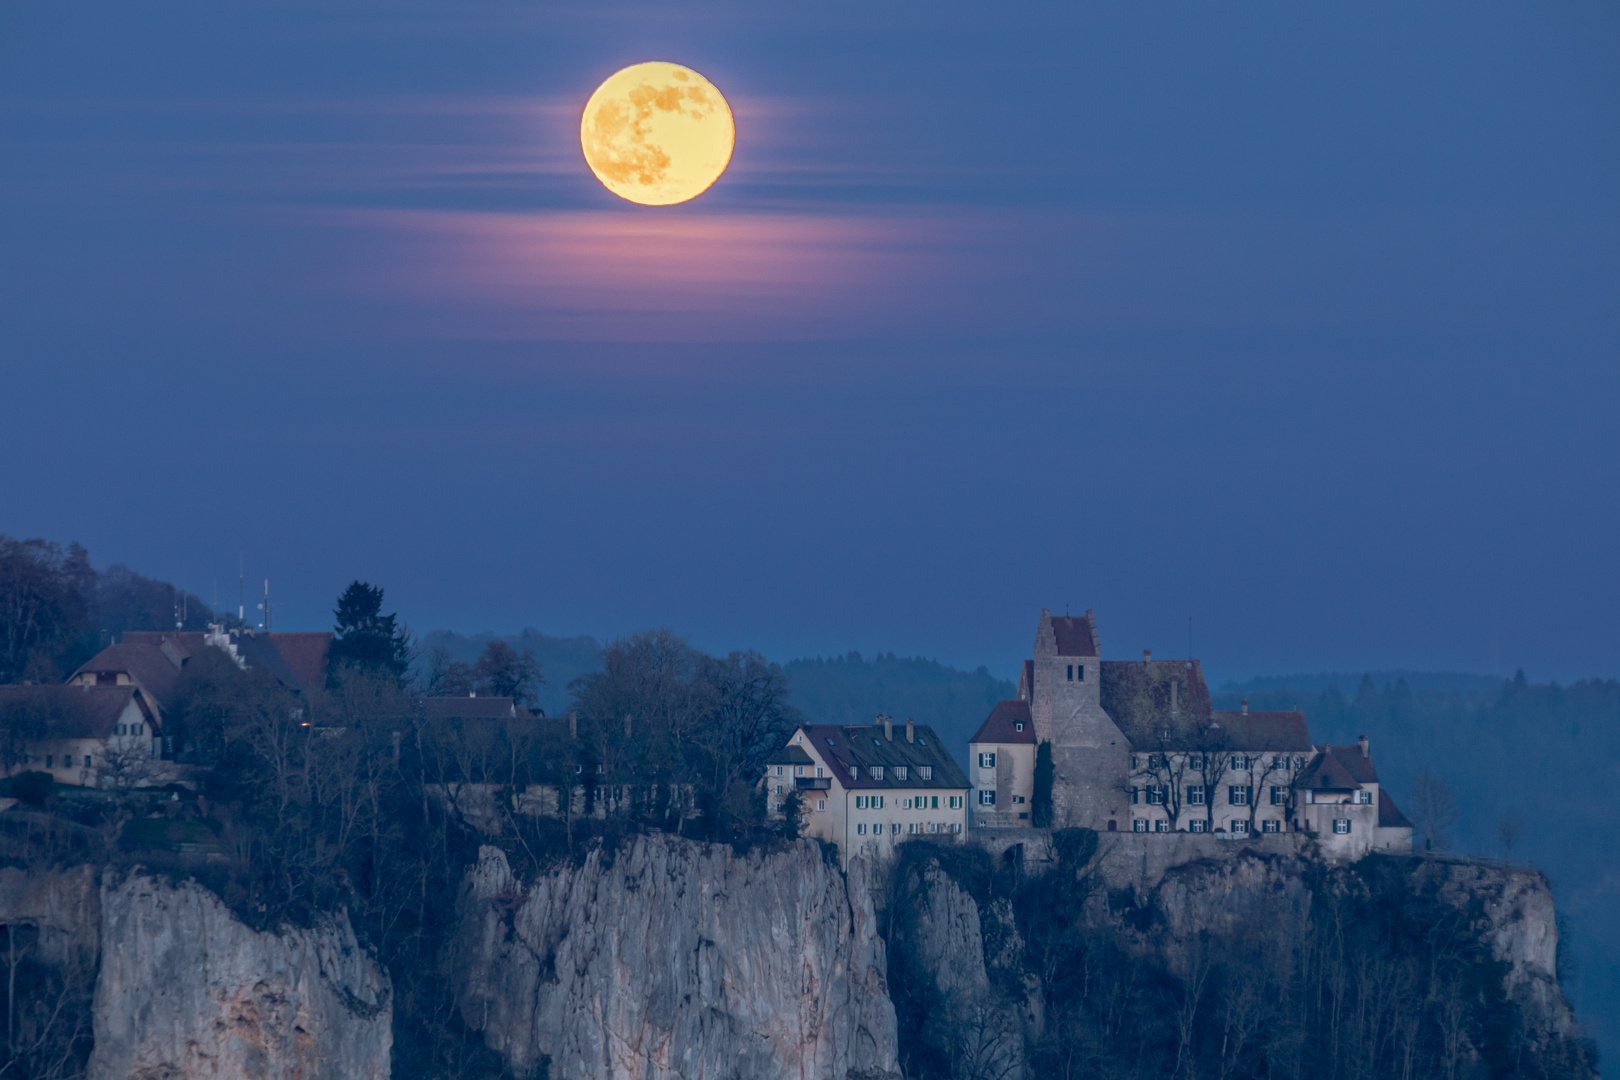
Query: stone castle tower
point(1062, 684)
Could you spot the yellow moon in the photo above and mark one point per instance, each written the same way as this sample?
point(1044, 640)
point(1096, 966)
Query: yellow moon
point(657, 133)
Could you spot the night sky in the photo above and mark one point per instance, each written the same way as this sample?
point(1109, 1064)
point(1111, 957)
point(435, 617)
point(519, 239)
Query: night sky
point(1298, 320)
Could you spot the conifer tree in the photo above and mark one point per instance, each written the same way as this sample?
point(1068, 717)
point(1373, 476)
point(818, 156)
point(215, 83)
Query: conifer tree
point(366, 638)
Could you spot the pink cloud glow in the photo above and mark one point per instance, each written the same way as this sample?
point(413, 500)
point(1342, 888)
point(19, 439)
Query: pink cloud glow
point(632, 275)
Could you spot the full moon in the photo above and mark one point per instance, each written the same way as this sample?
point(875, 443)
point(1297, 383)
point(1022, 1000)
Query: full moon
point(657, 133)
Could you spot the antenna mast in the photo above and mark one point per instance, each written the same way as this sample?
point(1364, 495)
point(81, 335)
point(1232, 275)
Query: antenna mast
point(241, 595)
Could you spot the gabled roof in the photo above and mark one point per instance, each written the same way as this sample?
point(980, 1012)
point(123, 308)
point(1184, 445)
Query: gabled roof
point(1076, 635)
point(1357, 764)
point(1136, 695)
point(1265, 729)
point(864, 746)
point(1326, 773)
point(296, 660)
point(149, 665)
point(1389, 815)
point(467, 708)
point(1001, 726)
point(68, 712)
point(789, 755)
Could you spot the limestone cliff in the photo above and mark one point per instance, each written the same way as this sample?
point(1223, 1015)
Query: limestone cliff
point(187, 991)
point(672, 959)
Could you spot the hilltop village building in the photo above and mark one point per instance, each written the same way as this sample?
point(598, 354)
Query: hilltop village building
point(1136, 747)
point(868, 788)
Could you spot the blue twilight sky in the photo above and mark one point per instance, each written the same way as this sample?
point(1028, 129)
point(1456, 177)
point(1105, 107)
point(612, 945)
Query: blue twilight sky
point(1297, 319)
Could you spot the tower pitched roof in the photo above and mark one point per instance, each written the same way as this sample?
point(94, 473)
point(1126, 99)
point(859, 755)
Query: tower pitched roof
point(1003, 724)
point(1076, 635)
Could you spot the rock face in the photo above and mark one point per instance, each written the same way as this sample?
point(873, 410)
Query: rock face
point(187, 991)
point(64, 904)
point(673, 959)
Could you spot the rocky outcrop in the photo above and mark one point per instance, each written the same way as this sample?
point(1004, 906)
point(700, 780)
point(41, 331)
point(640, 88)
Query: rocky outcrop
point(188, 991)
point(65, 906)
point(671, 959)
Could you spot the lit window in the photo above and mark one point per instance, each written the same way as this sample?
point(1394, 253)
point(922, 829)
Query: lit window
point(1199, 825)
point(1271, 825)
point(1139, 824)
point(1341, 826)
point(987, 797)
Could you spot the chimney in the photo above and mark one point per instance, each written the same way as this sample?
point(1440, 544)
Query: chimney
point(573, 725)
point(1147, 656)
point(1245, 706)
point(1362, 739)
point(877, 720)
point(911, 731)
point(888, 728)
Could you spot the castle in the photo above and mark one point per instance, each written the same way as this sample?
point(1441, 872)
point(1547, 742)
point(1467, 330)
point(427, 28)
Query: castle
point(1135, 746)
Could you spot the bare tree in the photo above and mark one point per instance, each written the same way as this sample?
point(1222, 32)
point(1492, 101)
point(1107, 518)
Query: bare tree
point(1434, 808)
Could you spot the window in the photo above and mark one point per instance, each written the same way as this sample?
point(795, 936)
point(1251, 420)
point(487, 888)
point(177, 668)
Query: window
point(854, 772)
point(1364, 797)
point(1195, 794)
point(894, 829)
point(987, 761)
point(778, 771)
point(1018, 798)
point(926, 771)
point(899, 772)
point(1279, 796)
point(987, 797)
point(933, 802)
point(87, 761)
point(956, 802)
point(1161, 825)
point(956, 826)
point(860, 802)
point(1156, 794)
point(821, 771)
point(1341, 826)
point(798, 736)
point(1299, 763)
point(1079, 673)
point(1139, 824)
point(1195, 762)
point(1019, 726)
point(933, 826)
point(1240, 762)
point(821, 804)
point(1240, 826)
point(877, 772)
point(905, 804)
point(1136, 795)
point(1155, 761)
point(777, 790)
point(1271, 825)
point(879, 801)
point(1199, 825)
point(1238, 794)
point(913, 828)
point(798, 770)
point(860, 830)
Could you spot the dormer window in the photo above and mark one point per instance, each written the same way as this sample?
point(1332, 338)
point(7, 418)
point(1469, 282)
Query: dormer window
point(854, 772)
point(899, 772)
point(926, 771)
point(877, 772)
point(1019, 726)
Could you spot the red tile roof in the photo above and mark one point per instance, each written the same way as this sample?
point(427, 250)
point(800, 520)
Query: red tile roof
point(1076, 635)
point(1359, 766)
point(298, 660)
point(68, 712)
point(1002, 725)
point(1327, 773)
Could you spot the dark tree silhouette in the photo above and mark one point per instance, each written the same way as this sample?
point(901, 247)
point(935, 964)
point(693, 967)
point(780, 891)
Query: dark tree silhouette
point(366, 638)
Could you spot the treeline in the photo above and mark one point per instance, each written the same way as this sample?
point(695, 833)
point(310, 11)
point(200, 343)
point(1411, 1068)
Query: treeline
point(56, 611)
point(1378, 977)
point(350, 795)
